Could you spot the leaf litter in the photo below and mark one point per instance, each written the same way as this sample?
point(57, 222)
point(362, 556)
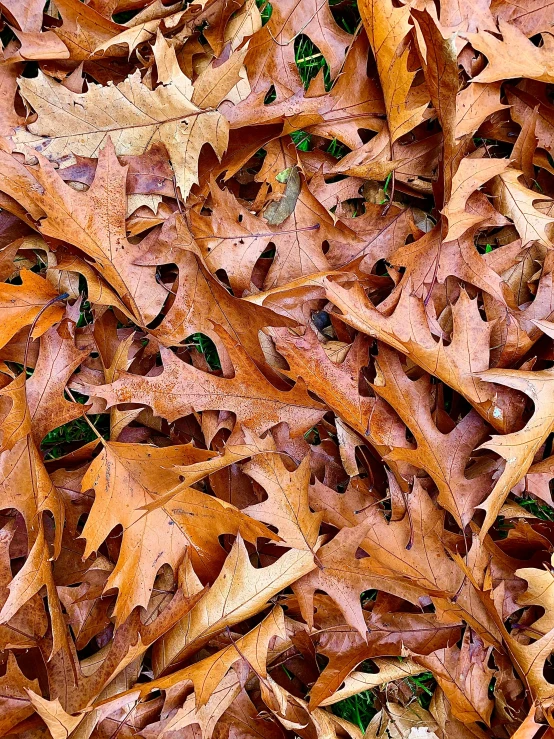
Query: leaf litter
point(276, 369)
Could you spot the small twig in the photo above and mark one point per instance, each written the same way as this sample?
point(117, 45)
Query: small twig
point(315, 227)
point(410, 543)
point(123, 720)
point(376, 502)
point(87, 419)
point(177, 195)
point(434, 278)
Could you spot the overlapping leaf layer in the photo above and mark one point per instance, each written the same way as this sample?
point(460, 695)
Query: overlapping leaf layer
point(276, 369)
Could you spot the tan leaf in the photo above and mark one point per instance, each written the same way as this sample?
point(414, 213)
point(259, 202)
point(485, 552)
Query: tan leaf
point(239, 591)
point(516, 201)
point(60, 724)
point(286, 506)
point(387, 28)
point(79, 124)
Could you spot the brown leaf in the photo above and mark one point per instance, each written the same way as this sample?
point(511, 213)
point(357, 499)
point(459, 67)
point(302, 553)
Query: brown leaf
point(387, 28)
point(238, 591)
point(444, 457)
point(171, 394)
point(15, 702)
point(514, 56)
point(58, 359)
point(516, 201)
point(159, 536)
point(520, 447)
point(407, 330)
point(270, 55)
point(60, 724)
point(22, 304)
point(287, 503)
point(95, 222)
point(465, 678)
point(143, 117)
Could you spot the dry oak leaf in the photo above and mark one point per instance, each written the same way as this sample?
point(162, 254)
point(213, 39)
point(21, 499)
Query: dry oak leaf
point(430, 259)
point(239, 591)
point(378, 233)
point(410, 721)
point(233, 453)
point(30, 623)
point(411, 550)
point(85, 606)
point(115, 355)
point(529, 728)
point(344, 577)
point(99, 671)
point(388, 633)
point(214, 689)
point(293, 714)
point(83, 29)
point(514, 56)
point(523, 104)
point(439, 55)
point(471, 174)
point(339, 509)
point(516, 201)
point(15, 705)
point(347, 108)
point(530, 16)
point(242, 716)
point(518, 448)
point(422, 569)
point(464, 676)
point(181, 389)
point(60, 723)
point(21, 304)
point(26, 486)
point(27, 15)
point(94, 221)
point(98, 291)
point(407, 330)
point(201, 300)
point(443, 456)
point(140, 30)
point(134, 475)
point(233, 239)
point(222, 82)
point(134, 116)
point(189, 720)
point(206, 674)
point(36, 574)
point(530, 660)
point(540, 592)
point(271, 58)
point(389, 671)
point(58, 359)
point(15, 418)
point(474, 104)
point(336, 383)
point(442, 712)
point(286, 506)
point(387, 29)
point(9, 117)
